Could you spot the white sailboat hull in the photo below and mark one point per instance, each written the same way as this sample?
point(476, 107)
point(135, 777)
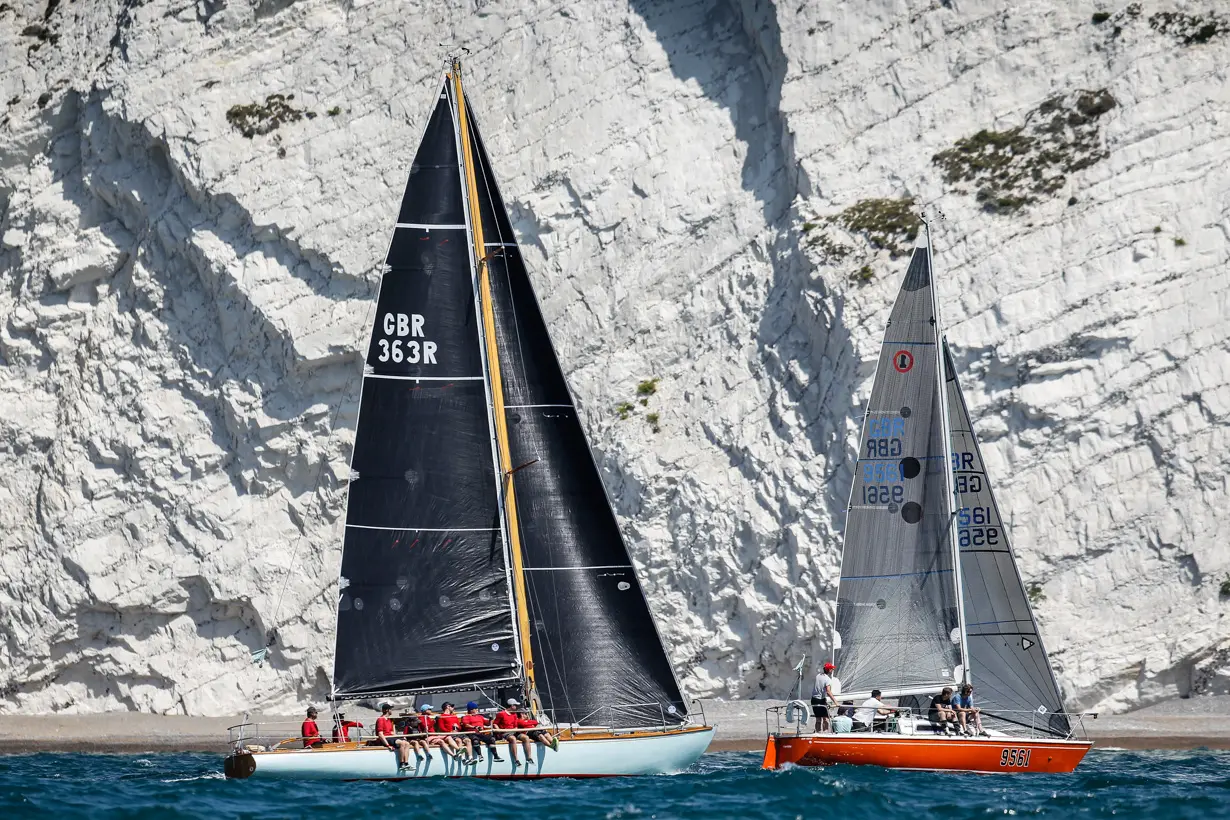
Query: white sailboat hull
point(604, 756)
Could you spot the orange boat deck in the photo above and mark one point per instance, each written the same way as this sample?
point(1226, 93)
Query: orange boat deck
point(927, 752)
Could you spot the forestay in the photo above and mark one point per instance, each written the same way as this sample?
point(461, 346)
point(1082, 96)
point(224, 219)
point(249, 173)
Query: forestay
point(1011, 671)
point(597, 655)
point(424, 600)
point(897, 622)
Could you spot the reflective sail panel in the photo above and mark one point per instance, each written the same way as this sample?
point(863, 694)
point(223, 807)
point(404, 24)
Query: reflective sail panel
point(594, 642)
point(897, 605)
point(424, 600)
point(1011, 673)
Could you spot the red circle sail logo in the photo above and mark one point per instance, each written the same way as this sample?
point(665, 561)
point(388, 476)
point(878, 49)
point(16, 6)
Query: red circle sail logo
point(903, 360)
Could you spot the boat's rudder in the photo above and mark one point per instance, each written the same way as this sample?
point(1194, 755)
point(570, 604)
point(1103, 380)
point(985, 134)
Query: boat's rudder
point(770, 753)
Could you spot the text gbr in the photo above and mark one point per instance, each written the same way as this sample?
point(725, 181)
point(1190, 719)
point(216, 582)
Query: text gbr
point(412, 351)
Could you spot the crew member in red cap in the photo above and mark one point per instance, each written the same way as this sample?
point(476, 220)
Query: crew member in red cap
point(823, 694)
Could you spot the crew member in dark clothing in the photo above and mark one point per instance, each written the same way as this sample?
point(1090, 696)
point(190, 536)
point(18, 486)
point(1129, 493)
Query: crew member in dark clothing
point(412, 731)
point(479, 733)
point(310, 732)
point(942, 716)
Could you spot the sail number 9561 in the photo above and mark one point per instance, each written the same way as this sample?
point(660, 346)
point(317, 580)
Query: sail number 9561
point(1018, 758)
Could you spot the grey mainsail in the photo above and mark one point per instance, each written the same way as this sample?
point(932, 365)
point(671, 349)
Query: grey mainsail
point(1014, 680)
point(897, 617)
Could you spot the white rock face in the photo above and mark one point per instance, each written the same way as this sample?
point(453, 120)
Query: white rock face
point(181, 306)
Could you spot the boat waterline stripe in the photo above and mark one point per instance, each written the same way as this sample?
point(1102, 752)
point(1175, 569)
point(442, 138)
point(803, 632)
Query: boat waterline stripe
point(898, 575)
point(519, 406)
point(422, 226)
point(565, 569)
point(423, 378)
point(1009, 621)
point(499, 244)
point(421, 529)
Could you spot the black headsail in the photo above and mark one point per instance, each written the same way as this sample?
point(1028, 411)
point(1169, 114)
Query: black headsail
point(594, 642)
point(424, 600)
point(1014, 679)
point(897, 616)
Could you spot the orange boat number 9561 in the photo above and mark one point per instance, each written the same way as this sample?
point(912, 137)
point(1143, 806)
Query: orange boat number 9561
point(1015, 757)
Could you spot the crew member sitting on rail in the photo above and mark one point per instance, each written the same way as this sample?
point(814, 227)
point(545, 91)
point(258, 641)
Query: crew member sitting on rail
point(505, 723)
point(967, 712)
point(412, 730)
point(448, 721)
point(448, 744)
point(825, 691)
point(872, 715)
point(476, 725)
point(386, 736)
point(341, 728)
point(310, 732)
point(538, 735)
point(941, 714)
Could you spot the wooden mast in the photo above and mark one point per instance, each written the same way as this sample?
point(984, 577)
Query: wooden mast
point(497, 388)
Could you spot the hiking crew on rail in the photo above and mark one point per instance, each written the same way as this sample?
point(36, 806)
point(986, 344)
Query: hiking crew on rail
point(458, 736)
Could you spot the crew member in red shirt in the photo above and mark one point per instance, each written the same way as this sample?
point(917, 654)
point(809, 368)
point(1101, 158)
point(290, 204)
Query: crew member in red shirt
point(341, 728)
point(310, 732)
point(386, 736)
point(448, 721)
point(505, 723)
point(434, 738)
point(538, 735)
point(476, 725)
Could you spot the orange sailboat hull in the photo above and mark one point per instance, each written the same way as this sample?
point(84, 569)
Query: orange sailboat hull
point(932, 753)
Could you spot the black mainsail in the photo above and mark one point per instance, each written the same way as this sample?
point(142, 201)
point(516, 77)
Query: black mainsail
point(425, 600)
point(598, 659)
point(1014, 677)
point(453, 537)
point(897, 620)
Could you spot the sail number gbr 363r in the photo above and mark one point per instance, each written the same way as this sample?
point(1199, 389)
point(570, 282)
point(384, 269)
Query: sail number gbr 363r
point(413, 350)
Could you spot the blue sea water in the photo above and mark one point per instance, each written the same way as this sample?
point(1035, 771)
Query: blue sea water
point(1109, 783)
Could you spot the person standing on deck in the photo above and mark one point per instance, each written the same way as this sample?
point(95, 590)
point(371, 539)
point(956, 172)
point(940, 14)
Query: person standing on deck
point(826, 691)
point(309, 731)
point(506, 721)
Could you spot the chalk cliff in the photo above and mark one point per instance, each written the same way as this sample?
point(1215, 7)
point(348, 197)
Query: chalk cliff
point(194, 198)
